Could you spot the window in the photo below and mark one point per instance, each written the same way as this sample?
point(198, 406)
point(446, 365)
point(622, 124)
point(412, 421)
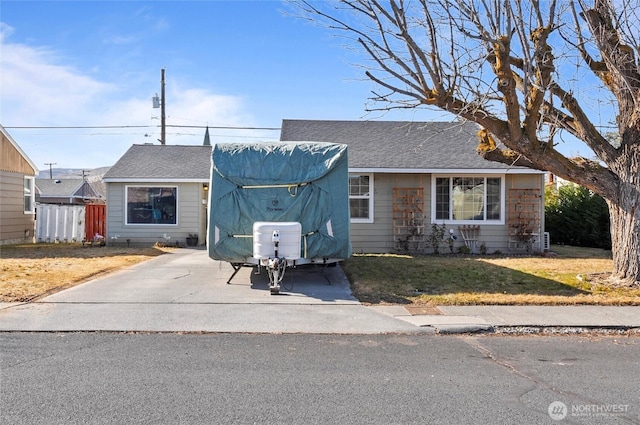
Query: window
point(468, 199)
point(151, 205)
point(29, 195)
point(361, 198)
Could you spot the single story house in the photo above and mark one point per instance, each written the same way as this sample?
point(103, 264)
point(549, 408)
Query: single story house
point(158, 193)
point(67, 192)
point(409, 181)
point(410, 184)
point(17, 192)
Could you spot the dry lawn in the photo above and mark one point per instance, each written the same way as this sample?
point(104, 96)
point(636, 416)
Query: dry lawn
point(573, 276)
point(31, 271)
point(28, 272)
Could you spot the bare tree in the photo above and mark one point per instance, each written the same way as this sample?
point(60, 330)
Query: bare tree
point(530, 73)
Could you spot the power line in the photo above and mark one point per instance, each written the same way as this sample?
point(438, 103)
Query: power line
point(80, 127)
point(224, 128)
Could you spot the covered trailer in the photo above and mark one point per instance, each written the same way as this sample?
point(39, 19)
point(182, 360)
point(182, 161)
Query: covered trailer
point(278, 204)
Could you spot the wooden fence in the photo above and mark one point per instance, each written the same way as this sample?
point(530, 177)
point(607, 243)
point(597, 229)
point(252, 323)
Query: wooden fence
point(95, 221)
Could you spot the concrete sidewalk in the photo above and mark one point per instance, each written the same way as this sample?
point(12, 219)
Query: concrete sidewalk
point(185, 291)
point(463, 319)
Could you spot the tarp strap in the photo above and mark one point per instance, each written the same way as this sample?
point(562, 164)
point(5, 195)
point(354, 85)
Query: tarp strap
point(304, 238)
point(292, 188)
point(240, 236)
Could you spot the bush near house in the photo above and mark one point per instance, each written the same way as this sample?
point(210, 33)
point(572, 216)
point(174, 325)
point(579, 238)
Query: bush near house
point(576, 216)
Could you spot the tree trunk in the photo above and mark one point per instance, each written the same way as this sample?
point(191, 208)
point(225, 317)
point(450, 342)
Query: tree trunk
point(625, 220)
point(625, 244)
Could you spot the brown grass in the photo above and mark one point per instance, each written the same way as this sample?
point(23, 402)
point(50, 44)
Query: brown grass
point(31, 271)
point(573, 276)
point(28, 272)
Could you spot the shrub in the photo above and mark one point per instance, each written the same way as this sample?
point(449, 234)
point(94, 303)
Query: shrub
point(576, 216)
point(436, 238)
point(464, 249)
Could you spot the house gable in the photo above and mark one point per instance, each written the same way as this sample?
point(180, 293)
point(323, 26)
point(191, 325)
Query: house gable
point(12, 158)
point(17, 173)
point(65, 191)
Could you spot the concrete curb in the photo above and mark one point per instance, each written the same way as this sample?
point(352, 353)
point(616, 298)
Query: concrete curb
point(463, 329)
point(523, 319)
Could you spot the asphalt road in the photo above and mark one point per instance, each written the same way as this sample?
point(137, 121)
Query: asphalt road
point(170, 378)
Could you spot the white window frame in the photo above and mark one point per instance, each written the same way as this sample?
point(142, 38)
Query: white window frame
point(159, 185)
point(501, 221)
point(31, 181)
point(368, 196)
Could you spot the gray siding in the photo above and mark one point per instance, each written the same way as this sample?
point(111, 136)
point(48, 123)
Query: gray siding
point(15, 225)
point(377, 237)
point(190, 216)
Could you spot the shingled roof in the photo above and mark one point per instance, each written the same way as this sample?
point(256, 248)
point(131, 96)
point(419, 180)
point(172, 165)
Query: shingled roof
point(162, 162)
point(397, 145)
point(58, 188)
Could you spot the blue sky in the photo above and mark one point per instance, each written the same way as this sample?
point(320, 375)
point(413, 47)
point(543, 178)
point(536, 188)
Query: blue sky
point(228, 63)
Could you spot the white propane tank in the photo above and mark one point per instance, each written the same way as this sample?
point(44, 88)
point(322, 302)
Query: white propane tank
point(289, 237)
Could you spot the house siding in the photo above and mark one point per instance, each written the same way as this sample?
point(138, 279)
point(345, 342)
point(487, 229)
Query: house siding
point(11, 159)
point(15, 225)
point(190, 217)
point(378, 237)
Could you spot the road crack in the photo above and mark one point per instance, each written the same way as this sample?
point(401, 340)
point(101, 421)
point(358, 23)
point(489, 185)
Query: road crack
point(475, 343)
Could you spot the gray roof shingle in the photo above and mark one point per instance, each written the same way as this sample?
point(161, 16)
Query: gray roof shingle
point(166, 162)
point(63, 188)
point(68, 188)
point(397, 144)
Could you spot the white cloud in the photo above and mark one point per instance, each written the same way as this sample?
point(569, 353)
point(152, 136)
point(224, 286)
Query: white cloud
point(39, 89)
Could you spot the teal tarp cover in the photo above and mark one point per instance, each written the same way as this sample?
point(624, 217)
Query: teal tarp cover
point(303, 182)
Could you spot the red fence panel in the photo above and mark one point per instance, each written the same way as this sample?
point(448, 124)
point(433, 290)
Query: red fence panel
point(95, 221)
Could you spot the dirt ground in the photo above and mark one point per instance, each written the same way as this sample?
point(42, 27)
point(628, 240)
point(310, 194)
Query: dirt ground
point(29, 271)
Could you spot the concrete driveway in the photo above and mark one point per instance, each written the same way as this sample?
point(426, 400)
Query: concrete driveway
point(187, 291)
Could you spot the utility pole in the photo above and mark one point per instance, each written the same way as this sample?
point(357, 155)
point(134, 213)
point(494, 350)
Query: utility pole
point(50, 169)
point(163, 134)
point(160, 103)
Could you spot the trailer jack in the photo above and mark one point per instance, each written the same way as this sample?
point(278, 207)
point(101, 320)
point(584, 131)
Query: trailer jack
point(275, 266)
point(275, 270)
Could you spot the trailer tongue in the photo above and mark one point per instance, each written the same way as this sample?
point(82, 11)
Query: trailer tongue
point(278, 205)
point(276, 245)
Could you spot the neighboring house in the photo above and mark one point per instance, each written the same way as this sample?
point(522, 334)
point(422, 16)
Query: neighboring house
point(407, 177)
point(155, 192)
point(17, 192)
point(67, 192)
